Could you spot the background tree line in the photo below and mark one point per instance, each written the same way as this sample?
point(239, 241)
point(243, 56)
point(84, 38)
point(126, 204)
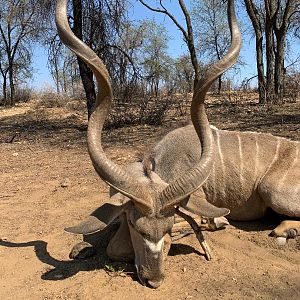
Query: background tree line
point(136, 52)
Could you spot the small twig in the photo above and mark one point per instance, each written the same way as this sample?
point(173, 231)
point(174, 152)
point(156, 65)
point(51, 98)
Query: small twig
point(110, 270)
point(13, 138)
point(6, 196)
point(181, 235)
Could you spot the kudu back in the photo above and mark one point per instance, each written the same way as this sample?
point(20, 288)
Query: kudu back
point(146, 195)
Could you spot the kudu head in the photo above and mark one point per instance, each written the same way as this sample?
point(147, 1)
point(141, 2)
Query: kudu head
point(148, 201)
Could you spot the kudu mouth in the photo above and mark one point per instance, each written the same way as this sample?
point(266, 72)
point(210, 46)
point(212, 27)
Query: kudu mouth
point(145, 279)
point(155, 284)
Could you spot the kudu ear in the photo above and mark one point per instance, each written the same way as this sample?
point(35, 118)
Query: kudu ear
point(201, 207)
point(102, 216)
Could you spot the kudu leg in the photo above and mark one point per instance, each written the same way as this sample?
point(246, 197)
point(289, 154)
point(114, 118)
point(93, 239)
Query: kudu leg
point(120, 246)
point(91, 242)
point(286, 229)
point(182, 228)
point(82, 250)
point(283, 197)
point(116, 239)
point(198, 232)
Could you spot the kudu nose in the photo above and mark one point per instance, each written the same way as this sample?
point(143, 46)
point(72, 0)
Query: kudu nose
point(155, 284)
point(148, 279)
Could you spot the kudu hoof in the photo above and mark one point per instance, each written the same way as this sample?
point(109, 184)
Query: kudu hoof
point(285, 231)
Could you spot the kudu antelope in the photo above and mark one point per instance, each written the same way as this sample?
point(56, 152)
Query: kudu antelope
point(145, 203)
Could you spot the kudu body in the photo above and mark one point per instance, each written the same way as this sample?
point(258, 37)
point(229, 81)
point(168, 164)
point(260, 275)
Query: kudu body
point(251, 173)
point(146, 203)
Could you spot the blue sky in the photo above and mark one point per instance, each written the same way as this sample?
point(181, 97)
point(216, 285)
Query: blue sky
point(42, 78)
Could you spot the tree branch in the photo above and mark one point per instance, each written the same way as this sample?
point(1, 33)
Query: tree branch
point(187, 33)
point(167, 13)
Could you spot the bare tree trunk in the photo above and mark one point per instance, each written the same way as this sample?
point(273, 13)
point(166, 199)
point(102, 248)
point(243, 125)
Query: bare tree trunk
point(189, 37)
point(4, 90)
point(275, 24)
point(219, 84)
point(3, 73)
point(85, 72)
point(56, 75)
point(254, 17)
point(11, 84)
point(64, 80)
point(260, 70)
point(270, 7)
point(281, 25)
point(279, 70)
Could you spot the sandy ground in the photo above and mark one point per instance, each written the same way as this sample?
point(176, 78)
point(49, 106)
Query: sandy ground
point(47, 183)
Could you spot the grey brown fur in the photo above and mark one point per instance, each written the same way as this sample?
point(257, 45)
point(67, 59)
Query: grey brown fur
point(251, 172)
point(146, 202)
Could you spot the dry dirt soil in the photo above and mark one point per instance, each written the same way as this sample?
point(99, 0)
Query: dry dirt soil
point(47, 183)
